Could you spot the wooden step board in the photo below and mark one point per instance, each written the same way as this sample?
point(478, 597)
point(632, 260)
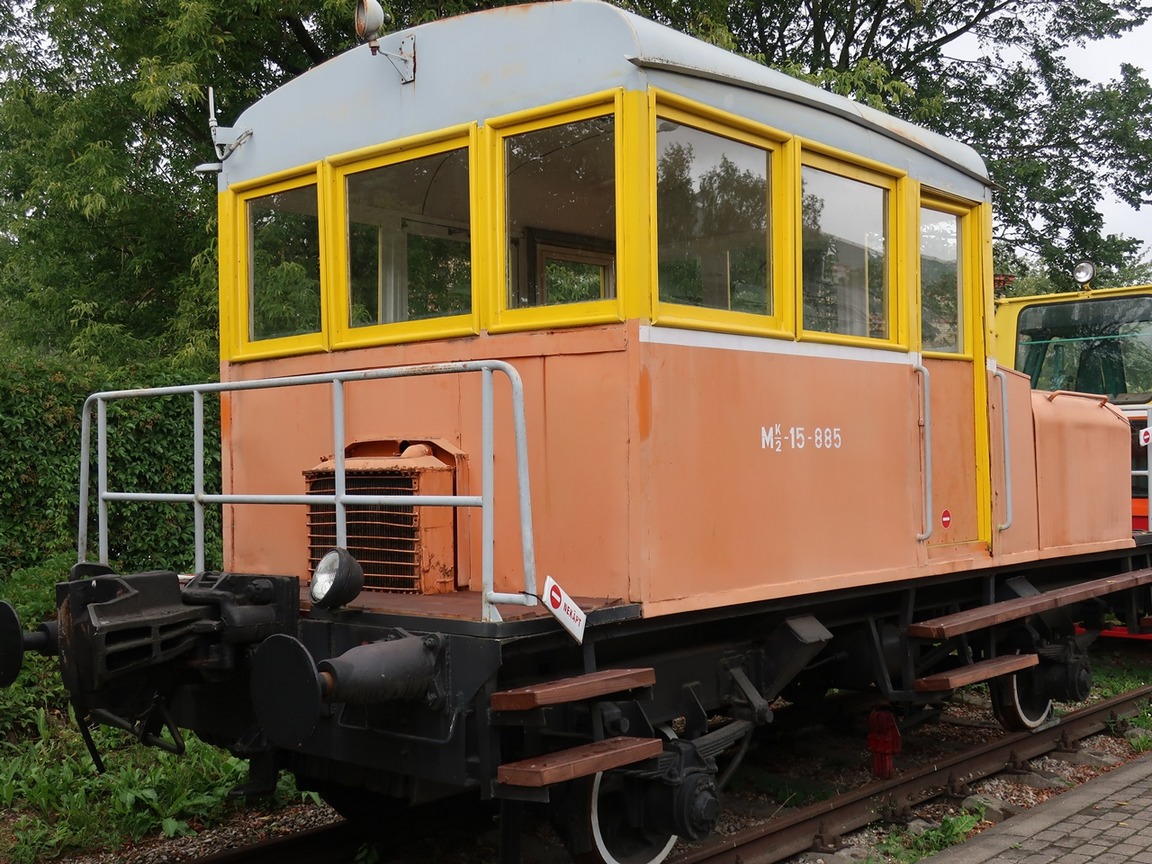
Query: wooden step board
point(959, 623)
point(564, 690)
point(975, 672)
point(578, 761)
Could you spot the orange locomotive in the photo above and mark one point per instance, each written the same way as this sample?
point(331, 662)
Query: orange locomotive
point(582, 382)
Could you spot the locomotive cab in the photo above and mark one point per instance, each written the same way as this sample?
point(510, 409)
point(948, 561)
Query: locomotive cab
point(1092, 341)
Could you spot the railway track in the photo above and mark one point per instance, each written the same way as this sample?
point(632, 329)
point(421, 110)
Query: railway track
point(820, 826)
point(332, 844)
point(817, 827)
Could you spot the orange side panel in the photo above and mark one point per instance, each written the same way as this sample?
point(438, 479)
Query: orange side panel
point(1021, 538)
point(685, 472)
point(776, 474)
point(576, 406)
point(1082, 470)
point(954, 513)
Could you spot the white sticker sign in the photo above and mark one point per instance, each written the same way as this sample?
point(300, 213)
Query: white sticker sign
point(564, 609)
point(1145, 436)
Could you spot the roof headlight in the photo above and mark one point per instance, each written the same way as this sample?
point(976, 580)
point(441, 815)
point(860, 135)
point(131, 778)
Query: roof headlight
point(1084, 272)
point(370, 19)
point(337, 580)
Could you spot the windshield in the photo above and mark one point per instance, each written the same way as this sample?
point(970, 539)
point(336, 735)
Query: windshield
point(1092, 346)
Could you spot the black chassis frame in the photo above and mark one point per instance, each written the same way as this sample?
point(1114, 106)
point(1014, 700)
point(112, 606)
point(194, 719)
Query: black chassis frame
point(141, 653)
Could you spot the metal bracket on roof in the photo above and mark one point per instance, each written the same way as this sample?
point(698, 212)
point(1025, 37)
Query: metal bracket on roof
point(225, 139)
point(405, 61)
point(228, 140)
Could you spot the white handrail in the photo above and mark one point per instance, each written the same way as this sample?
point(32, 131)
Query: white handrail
point(999, 373)
point(199, 497)
point(926, 391)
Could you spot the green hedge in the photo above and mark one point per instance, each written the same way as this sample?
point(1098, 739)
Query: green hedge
point(150, 449)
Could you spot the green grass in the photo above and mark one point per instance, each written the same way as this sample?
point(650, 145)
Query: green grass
point(1120, 665)
point(906, 848)
point(58, 803)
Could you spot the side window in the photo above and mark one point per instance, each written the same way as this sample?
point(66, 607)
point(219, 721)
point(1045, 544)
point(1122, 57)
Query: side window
point(941, 281)
point(713, 222)
point(409, 243)
point(561, 213)
point(284, 264)
point(845, 255)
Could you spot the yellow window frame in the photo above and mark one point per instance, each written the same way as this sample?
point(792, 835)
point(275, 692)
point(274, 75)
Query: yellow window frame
point(343, 335)
point(896, 183)
point(500, 316)
point(969, 260)
point(780, 147)
point(235, 269)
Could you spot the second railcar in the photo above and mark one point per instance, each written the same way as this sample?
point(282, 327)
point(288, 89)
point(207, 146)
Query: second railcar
point(1096, 340)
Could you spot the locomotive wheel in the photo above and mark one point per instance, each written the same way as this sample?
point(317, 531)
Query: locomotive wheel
point(1017, 704)
point(611, 838)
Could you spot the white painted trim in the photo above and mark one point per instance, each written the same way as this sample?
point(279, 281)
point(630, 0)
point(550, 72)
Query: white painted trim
point(770, 345)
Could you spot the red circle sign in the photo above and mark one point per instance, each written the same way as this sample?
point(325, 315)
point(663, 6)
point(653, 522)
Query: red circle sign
point(554, 596)
point(946, 518)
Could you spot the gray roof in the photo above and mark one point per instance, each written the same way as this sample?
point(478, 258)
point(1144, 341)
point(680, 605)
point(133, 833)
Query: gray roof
point(499, 61)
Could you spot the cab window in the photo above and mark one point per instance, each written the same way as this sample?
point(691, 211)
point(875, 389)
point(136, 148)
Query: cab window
point(409, 243)
point(714, 232)
point(1092, 346)
point(284, 269)
point(845, 255)
point(941, 281)
point(561, 213)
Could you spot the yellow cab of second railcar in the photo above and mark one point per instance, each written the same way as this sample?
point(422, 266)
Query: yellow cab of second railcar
point(756, 360)
point(1095, 340)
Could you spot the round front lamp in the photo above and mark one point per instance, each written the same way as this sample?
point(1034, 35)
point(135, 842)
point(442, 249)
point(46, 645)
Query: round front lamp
point(337, 580)
point(370, 19)
point(1083, 272)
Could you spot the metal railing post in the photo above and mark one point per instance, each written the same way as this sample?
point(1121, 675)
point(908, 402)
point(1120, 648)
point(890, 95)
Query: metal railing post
point(487, 492)
point(85, 475)
point(198, 478)
point(341, 482)
point(102, 477)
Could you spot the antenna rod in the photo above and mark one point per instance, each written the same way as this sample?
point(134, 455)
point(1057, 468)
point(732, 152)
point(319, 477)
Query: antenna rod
point(212, 113)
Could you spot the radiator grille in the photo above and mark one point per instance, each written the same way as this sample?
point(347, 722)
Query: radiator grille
point(385, 540)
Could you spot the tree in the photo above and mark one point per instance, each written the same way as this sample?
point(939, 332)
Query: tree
point(106, 234)
point(988, 72)
point(105, 231)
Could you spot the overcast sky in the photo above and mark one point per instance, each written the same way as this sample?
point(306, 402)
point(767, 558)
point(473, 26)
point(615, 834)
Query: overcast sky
point(1100, 61)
